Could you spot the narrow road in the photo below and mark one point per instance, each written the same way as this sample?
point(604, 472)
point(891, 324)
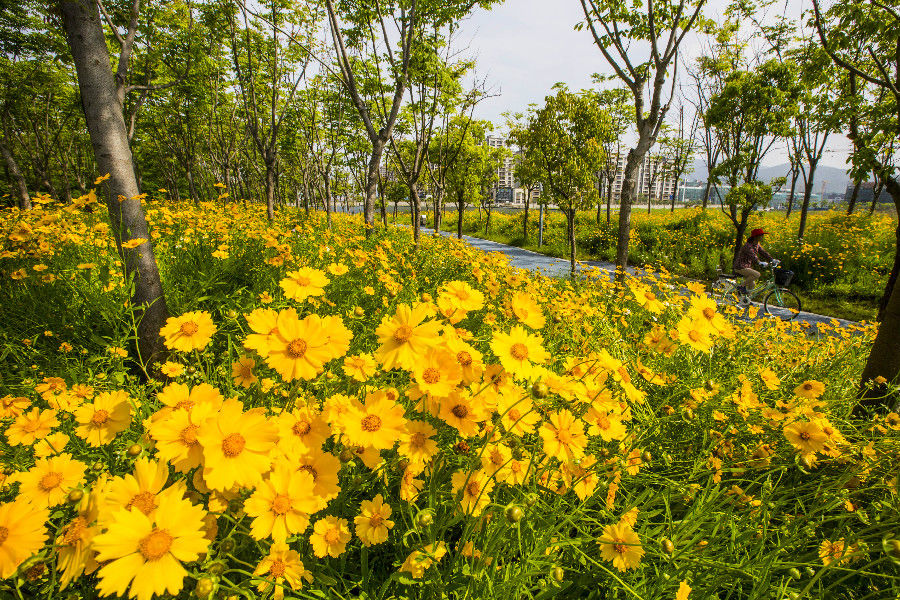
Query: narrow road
point(557, 267)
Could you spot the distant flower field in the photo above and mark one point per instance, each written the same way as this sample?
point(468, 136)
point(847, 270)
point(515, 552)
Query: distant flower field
point(343, 417)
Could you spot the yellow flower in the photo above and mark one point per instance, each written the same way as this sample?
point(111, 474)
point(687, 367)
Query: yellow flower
point(459, 411)
point(281, 565)
point(811, 389)
point(281, 504)
point(75, 542)
point(373, 522)
point(360, 367)
point(22, 533)
point(418, 445)
point(175, 433)
point(242, 372)
point(51, 479)
point(437, 372)
point(171, 369)
point(303, 283)
point(301, 431)
point(527, 310)
point(807, 438)
point(695, 333)
point(620, 545)
point(330, 537)
point(337, 269)
point(31, 426)
point(563, 436)
point(405, 337)
point(474, 488)
point(12, 406)
point(143, 489)
point(324, 468)
point(419, 561)
point(190, 331)
point(379, 423)
point(770, 379)
point(100, 422)
point(133, 243)
point(148, 552)
point(299, 349)
point(51, 444)
point(519, 351)
point(684, 591)
point(236, 446)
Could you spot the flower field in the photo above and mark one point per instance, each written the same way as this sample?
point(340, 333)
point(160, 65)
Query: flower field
point(344, 417)
point(843, 260)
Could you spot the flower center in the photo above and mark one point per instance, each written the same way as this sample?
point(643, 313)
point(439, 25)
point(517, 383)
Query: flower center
point(371, 423)
point(156, 545)
point(804, 435)
point(144, 502)
point(73, 531)
point(807, 386)
point(184, 405)
point(603, 422)
point(277, 569)
point(233, 445)
point(460, 411)
point(519, 351)
point(403, 333)
point(100, 417)
point(302, 281)
point(431, 375)
point(296, 349)
point(650, 296)
point(189, 328)
point(514, 414)
point(4, 533)
point(50, 481)
point(301, 428)
point(620, 547)
point(473, 489)
point(332, 536)
point(281, 504)
point(464, 358)
point(31, 426)
point(417, 440)
point(375, 520)
point(709, 313)
point(694, 335)
point(188, 435)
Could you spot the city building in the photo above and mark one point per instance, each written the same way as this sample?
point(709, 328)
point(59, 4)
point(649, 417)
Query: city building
point(508, 189)
point(654, 180)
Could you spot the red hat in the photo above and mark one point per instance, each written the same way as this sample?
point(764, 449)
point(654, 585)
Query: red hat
point(757, 232)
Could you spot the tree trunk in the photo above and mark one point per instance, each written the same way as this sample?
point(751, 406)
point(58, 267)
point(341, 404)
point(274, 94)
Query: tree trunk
point(626, 198)
point(570, 217)
point(525, 218)
point(460, 207)
point(109, 138)
point(854, 196)
point(20, 187)
point(541, 225)
point(804, 208)
point(608, 202)
point(876, 194)
point(326, 181)
point(739, 236)
point(884, 358)
point(415, 209)
point(790, 206)
point(706, 192)
point(438, 204)
point(270, 190)
point(372, 185)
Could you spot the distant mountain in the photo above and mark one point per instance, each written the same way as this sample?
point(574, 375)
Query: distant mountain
point(835, 179)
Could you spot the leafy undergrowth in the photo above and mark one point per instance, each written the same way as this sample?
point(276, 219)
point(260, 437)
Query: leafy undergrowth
point(360, 418)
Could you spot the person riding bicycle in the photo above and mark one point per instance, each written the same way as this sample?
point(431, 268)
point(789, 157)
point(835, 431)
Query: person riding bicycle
point(747, 257)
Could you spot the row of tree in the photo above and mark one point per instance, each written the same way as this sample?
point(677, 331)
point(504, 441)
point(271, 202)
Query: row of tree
point(302, 102)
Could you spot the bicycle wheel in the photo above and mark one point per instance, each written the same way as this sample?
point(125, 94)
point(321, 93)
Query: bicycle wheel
point(782, 303)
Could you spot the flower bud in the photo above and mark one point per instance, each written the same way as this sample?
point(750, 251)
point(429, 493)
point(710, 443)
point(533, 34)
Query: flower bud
point(539, 389)
point(514, 513)
point(134, 450)
point(425, 518)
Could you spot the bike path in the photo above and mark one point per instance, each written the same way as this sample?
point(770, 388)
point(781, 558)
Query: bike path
point(557, 267)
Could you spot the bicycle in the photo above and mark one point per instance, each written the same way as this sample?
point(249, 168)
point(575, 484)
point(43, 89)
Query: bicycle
point(779, 301)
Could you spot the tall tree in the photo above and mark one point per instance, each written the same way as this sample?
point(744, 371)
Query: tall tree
point(863, 39)
point(679, 146)
point(617, 30)
point(103, 113)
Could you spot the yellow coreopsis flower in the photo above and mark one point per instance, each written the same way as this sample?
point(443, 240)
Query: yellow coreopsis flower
point(419, 561)
point(330, 537)
point(695, 333)
point(106, 417)
point(22, 525)
point(242, 372)
point(620, 545)
point(304, 283)
point(563, 436)
point(51, 479)
point(75, 542)
point(379, 423)
point(190, 331)
point(281, 565)
point(236, 446)
point(281, 504)
point(769, 378)
point(406, 336)
point(527, 310)
point(301, 431)
point(142, 489)
point(437, 372)
point(360, 367)
point(519, 351)
point(807, 438)
point(31, 426)
point(418, 445)
point(299, 349)
point(474, 488)
point(811, 389)
point(373, 523)
point(147, 553)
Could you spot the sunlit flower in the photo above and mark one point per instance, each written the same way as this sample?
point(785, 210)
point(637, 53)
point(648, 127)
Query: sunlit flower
point(51, 479)
point(527, 311)
point(419, 561)
point(620, 545)
point(303, 283)
point(330, 537)
point(106, 417)
point(282, 503)
point(22, 533)
point(810, 389)
point(190, 331)
point(563, 436)
point(418, 445)
point(474, 488)
point(242, 372)
point(373, 523)
point(518, 351)
point(405, 337)
point(143, 489)
point(281, 566)
point(360, 367)
point(806, 437)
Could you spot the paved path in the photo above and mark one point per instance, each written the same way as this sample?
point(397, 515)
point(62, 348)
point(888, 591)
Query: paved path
point(557, 267)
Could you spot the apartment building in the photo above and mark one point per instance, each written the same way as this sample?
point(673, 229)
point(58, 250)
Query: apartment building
point(508, 189)
point(654, 179)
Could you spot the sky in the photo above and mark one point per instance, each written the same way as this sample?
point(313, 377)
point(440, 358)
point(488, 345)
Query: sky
point(523, 47)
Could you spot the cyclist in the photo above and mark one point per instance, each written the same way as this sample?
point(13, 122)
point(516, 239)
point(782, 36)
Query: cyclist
point(746, 258)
